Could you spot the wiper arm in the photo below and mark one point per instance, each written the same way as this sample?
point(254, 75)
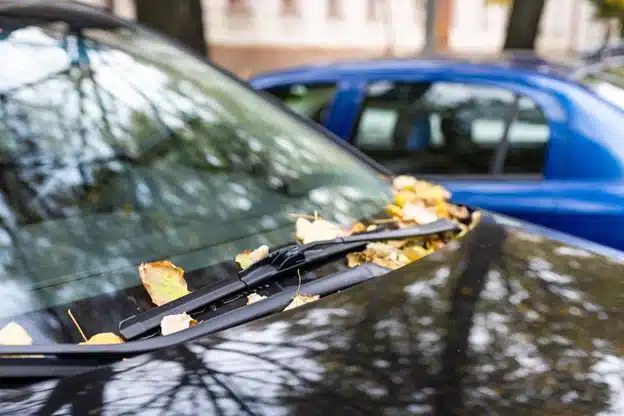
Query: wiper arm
point(276, 264)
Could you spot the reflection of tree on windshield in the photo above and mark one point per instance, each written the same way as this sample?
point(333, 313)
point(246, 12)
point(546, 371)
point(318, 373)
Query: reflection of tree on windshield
point(114, 155)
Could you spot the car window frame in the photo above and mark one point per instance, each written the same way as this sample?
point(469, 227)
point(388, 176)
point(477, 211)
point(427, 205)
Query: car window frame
point(543, 99)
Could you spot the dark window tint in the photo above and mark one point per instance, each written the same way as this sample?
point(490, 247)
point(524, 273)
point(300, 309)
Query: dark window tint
point(451, 128)
point(311, 100)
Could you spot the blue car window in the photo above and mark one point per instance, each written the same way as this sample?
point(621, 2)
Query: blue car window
point(309, 100)
point(450, 128)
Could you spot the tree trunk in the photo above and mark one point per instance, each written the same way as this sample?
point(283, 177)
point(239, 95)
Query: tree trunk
point(523, 24)
point(180, 19)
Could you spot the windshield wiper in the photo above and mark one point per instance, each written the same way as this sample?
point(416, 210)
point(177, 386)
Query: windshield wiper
point(276, 264)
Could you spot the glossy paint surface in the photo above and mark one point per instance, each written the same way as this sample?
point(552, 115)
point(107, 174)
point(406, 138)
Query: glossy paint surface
point(505, 321)
point(579, 192)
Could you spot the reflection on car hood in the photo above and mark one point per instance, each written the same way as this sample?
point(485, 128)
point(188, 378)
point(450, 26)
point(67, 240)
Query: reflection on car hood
point(500, 322)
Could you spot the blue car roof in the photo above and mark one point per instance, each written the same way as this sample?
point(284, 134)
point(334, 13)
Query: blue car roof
point(525, 62)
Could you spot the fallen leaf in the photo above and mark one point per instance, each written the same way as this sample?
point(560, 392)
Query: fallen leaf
point(419, 213)
point(174, 323)
point(355, 259)
point(402, 182)
point(14, 334)
point(357, 228)
point(459, 212)
point(163, 281)
point(394, 210)
point(301, 299)
point(249, 257)
point(401, 198)
point(317, 230)
point(414, 253)
point(103, 338)
point(254, 297)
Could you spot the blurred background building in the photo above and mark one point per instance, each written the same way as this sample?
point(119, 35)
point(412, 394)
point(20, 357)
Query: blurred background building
point(248, 36)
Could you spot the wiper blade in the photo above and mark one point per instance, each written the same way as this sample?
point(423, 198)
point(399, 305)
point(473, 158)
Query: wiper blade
point(296, 256)
point(276, 264)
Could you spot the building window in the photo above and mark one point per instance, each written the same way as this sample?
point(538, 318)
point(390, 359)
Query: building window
point(289, 8)
point(333, 9)
point(238, 7)
point(374, 10)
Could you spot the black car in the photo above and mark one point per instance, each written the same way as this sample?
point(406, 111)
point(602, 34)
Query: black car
point(117, 148)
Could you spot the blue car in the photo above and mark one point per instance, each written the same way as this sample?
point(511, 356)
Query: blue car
point(519, 135)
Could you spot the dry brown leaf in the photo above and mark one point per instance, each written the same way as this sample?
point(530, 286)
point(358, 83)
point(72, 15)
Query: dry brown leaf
point(355, 259)
point(317, 230)
point(103, 339)
point(174, 323)
point(402, 182)
point(397, 243)
point(249, 257)
point(254, 297)
point(414, 253)
point(301, 299)
point(14, 334)
point(418, 213)
point(163, 281)
point(357, 228)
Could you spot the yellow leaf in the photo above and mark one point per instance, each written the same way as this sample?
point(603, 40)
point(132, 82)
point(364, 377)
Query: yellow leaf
point(301, 299)
point(394, 211)
point(404, 182)
point(317, 230)
point(174, 323)
point(254, 297)
point(14, 334)
point(355, 259)
point(414, 253)
point(103, 339)
point(403, 198)
point(418, 213)
point(163, 281)
point(249, 257)
point(356, 228)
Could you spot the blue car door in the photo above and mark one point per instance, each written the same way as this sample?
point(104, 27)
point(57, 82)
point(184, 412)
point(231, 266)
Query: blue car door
point(490, 143)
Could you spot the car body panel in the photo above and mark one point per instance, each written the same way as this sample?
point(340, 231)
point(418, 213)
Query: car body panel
point(502, 321)
point(585, 152)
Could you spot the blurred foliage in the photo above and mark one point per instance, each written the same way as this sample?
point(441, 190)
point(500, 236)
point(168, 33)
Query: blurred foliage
point(610, 9)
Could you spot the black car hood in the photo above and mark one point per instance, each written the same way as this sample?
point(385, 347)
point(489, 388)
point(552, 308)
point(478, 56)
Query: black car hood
point(503, 321)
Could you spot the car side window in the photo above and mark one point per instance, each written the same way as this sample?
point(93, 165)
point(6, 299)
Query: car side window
point(310, 100)
point(451, 128)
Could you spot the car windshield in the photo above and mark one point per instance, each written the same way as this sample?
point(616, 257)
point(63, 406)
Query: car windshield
point(608, 83)
point(117, 148)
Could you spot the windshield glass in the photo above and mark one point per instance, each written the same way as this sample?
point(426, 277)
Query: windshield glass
point(608, 83)
point(117, 148)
